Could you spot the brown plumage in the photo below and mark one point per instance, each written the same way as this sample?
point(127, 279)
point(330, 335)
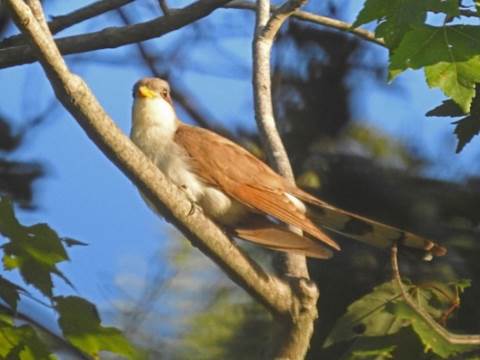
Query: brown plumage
point(243, 193)
point(222, 163)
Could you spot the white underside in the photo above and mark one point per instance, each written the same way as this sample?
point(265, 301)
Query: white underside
point(153, 127)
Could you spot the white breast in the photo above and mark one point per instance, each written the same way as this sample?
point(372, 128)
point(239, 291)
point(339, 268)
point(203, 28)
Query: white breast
point(153, 128)
point(153, 125)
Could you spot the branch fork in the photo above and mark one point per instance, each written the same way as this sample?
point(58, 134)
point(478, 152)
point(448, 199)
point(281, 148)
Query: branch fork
point(291, 299)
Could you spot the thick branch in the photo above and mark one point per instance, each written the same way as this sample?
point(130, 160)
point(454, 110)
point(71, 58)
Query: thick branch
point(117, 36)
point(62, 22)
point(37, 11)
point(169, 200)
point(298, 329)
point(262, 45)
point(265, 32)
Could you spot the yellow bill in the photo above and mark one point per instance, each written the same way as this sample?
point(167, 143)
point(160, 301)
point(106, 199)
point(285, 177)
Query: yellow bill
point(146, 92)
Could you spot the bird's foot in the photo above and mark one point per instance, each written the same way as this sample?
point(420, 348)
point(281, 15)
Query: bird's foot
point(193, 207)
point(193, 203)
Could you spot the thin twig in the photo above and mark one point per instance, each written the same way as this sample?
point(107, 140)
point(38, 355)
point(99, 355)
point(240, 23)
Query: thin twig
point(62, 22)
point(77, 98)
point(316, 19)
point(113, 37)
point(164, 6)
point(451, 338)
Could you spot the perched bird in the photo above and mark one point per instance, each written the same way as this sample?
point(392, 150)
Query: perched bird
point(243, 194)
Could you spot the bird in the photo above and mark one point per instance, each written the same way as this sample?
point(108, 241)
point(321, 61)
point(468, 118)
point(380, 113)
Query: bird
point(241, 193)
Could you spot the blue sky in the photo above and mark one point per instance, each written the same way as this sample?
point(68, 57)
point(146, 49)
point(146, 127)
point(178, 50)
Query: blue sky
point(85, 197)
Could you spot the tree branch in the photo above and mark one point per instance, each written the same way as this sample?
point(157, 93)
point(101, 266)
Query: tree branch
point(265, 31)
point(37, 11)
point(62, 22)
point(298, 329)
point(18, 55)
point(451, 338)
point(77, 98)
point(316, 19)
point(164, 6)
point(116, 36)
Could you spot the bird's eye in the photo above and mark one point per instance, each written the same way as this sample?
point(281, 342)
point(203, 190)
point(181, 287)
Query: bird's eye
point(165, 93)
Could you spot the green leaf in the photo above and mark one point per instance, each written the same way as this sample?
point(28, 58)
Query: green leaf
point(397, 17)
point(371, 315)
point(450, 55)
point(469, 126)
point(431, 340)
point(428, 45)
point(447, 108)
point(465, 130)
point(80, 324)
point(449, 7)
point(72, 242)
point(45, 245)
point(35, 251)
point(9, 292)
point(6, 318)
point(10, 262)
point(373, 10)
point(9, 226)
point(403, 345)
point(457, 80)
point(373, 347)
point(462, 284)
point(23, 343)
point(367, 316)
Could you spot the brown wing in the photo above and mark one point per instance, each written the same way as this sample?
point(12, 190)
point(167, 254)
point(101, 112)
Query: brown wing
point(226, 165)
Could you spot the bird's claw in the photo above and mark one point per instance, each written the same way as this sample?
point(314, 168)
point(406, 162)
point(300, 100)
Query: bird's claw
point(193, 204)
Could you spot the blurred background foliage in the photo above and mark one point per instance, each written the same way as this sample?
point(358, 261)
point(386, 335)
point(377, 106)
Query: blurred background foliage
point(192, 311)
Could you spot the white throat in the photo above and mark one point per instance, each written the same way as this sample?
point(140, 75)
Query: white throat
point(154, 123)
point(156, 112)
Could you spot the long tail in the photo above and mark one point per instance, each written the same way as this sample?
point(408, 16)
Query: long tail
point(366, 230)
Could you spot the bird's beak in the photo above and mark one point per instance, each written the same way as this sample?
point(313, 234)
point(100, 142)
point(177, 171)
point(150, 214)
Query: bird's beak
point(145, 92)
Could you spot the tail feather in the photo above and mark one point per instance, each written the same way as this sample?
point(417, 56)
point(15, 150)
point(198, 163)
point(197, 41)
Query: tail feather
point(363, 229)
point(278, 237)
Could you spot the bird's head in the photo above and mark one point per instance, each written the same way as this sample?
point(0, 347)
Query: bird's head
point(152, 104)
point(152, 88)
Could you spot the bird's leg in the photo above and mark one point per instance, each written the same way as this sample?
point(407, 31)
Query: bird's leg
point(193, 202)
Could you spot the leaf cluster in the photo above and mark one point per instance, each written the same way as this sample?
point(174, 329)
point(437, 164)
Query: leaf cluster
point(448, 51)
point(381, 325)
point(35, 253)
